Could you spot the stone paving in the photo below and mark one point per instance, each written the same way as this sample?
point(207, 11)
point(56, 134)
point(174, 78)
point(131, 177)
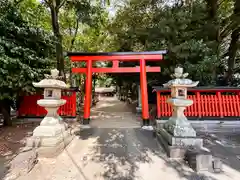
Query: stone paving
point(226, 146)
point(116, 148)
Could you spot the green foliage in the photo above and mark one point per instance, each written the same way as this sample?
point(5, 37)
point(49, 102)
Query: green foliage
point(83, 27)
point(24, 52)
point(93, 35)
point(186, 32)
point(35, 14)
point(104, 81)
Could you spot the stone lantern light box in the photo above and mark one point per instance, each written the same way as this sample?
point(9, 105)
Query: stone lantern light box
point(179, 84)
point(179, 92)
point(50, 93)
point(52, 86)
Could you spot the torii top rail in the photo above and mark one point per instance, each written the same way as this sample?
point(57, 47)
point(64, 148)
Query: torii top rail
point(115, 57)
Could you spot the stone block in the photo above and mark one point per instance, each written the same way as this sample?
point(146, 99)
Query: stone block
point(31, 142)
point(53, 151)
point(159, 124)
point(176, 147)
point(50, 152)
point(180, 141)
point(174, 152)
point(217, 165)
point(199, 159)
point(179, 126)
point(50, 146)
point(54, 140)
point(49, 131)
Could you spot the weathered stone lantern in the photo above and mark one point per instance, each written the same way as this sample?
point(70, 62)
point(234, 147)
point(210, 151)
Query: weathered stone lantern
point(52, 135)
point(177, 133)
point(178, 124)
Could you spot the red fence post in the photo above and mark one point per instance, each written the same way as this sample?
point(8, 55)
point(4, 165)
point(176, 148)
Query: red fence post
point(220, 103)
point(74, 102)
point(238, 104)
point(198, 101)
point(158, 105)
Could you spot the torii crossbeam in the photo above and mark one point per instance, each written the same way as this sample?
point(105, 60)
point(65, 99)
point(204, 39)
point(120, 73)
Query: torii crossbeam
point(115, 57)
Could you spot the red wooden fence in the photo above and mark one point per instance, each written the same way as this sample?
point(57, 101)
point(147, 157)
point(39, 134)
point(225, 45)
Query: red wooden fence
point(29, 108)
point(214, 102)
point(208, 102)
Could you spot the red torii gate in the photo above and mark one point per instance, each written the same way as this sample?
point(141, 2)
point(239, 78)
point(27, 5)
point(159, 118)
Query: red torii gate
point(115, 57)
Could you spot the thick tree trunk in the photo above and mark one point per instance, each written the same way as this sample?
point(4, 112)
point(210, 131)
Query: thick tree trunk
point(212, 8)
point(232, 52)
point(5, 109)
point(59, 48)
point(234, 45)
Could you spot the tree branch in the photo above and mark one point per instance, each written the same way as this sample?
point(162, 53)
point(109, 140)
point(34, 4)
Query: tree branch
point(75, 35)
point(17, 2)
point(48, 3)
point(60, 4)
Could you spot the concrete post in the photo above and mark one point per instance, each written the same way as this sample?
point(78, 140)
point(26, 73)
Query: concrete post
point(139, 107)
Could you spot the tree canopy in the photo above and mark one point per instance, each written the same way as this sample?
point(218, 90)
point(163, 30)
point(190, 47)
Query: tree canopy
point(25, 53)
point(196, 34)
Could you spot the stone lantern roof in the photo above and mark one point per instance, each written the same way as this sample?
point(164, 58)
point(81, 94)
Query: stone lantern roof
point(51, 81)
point(180, 79)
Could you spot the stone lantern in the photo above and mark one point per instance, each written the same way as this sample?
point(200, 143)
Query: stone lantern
point(52, 135)
point(177, 133)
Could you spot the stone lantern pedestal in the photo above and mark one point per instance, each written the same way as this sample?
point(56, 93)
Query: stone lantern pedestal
point(52, 135)
point(177, 134)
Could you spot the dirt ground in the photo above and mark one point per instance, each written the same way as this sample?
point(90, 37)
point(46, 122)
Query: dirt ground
point(12, 139)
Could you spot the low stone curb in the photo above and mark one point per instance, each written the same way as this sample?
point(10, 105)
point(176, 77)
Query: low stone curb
point(22, 164)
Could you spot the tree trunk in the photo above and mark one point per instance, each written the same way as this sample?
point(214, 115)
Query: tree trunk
point(214, 28)
point(233, 48)
point(214, 31)
point(94, 83)
point(5, 109)
point(71, 48)
point(232, 52)
point(212, 8)
point(59, 48)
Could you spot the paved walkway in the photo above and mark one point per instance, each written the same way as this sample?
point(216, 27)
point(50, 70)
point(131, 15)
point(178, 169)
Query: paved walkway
point(117, 149)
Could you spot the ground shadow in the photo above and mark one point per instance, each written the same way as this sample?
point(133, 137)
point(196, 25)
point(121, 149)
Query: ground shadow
point(113, 105)
point(11, 140)
point(122, 150)
point(225, 146)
